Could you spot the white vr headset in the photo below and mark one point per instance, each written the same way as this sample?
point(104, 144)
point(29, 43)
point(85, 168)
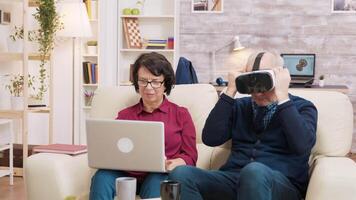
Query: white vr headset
point(256, 81)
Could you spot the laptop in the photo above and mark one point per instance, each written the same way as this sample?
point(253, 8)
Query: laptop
point(301, 68)
point(126, 145)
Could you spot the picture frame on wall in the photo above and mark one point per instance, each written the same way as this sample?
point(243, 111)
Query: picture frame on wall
point(207, 6)
point(5, 17)
point(343, 6)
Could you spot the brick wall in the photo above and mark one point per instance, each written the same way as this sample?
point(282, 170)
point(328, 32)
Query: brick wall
point(287, 26)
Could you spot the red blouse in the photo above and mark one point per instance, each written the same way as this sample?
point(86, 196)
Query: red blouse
point(178, 125)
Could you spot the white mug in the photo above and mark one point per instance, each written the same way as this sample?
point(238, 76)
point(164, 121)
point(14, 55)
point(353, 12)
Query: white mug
point(125, 188)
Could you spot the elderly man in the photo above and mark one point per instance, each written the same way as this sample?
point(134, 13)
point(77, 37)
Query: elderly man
point(272, 135)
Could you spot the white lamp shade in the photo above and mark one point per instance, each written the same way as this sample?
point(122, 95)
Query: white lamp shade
point(75, 20)
point(237, 44)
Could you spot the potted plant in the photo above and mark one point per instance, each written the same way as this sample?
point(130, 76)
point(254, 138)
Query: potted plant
point(321, 80)
point(49, 23)
point(16, 90)
point(92, 47)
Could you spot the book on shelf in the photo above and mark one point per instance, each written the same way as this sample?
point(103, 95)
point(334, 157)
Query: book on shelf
point(36, 105)
point(155, 47)
point(90, 73)
point(88, 4)
point(153, 44)
point(157, 41)
point(69, 149)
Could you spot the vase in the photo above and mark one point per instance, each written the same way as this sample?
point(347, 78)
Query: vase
point(88, 101)
point(35, 102)
point(17, 103)
point(92, 50)
point(321, 83)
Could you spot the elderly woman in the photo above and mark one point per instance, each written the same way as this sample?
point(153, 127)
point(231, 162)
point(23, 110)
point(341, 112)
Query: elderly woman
point(153, 77)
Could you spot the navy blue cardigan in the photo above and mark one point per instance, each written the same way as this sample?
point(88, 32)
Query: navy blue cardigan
point(285, 145)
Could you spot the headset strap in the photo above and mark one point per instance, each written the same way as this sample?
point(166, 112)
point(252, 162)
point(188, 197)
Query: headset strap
point(256, 64)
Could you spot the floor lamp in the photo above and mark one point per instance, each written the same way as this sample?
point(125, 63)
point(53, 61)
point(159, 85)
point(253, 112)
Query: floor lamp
point(76, 25)
point(237, 46)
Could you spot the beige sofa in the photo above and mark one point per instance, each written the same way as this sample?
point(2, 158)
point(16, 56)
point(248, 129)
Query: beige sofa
point(333, 176)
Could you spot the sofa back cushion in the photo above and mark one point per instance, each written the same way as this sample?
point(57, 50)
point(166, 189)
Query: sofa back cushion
point(199, 99)
point(335, 121)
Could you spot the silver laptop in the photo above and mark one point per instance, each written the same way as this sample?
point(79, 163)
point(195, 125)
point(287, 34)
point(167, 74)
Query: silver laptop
point(301, 68)
point(126, 145)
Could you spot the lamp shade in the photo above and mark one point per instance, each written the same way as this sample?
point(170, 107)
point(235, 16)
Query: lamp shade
point(75, 20)
point(237, 44)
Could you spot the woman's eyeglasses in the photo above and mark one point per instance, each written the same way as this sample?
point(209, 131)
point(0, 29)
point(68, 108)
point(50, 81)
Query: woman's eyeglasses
point(154, 84)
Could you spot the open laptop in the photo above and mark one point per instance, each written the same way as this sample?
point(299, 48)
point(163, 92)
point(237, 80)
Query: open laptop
point(126, 145)
point(301, 68)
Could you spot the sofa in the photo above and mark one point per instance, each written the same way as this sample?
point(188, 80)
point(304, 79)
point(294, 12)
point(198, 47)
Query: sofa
point(332, 174)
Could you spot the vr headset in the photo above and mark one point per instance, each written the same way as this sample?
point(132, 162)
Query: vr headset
point(256, 81)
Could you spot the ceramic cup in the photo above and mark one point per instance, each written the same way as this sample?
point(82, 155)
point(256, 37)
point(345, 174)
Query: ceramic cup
point(126, 188)
point(170, 190)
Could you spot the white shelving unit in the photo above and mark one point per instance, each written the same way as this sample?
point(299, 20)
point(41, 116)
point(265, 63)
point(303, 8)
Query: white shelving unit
point(6, 143)
point(22, 66)
point(92, 58)
point(158, 19)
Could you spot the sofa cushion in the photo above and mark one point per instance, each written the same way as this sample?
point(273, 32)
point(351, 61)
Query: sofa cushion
point(335, 121)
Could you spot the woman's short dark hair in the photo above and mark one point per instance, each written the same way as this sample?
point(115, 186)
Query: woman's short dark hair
point(158, 65)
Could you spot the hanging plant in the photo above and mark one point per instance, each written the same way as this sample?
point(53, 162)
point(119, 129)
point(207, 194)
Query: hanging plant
point(49, 22)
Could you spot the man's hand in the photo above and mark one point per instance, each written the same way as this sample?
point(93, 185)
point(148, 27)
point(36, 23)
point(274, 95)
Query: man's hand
point(173, 163)
point(282, 83)
point(231, 88)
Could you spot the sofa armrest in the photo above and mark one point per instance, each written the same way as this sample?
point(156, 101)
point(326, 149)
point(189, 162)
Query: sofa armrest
point(57, 176)
point(332, 178)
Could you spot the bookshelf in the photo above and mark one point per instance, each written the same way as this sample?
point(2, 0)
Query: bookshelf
point(90, 73)
point(23, 63)
point(157, 20)
point(90, 66)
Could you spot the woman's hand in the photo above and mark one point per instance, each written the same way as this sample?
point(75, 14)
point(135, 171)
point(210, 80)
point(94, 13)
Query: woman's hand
point(173, 163)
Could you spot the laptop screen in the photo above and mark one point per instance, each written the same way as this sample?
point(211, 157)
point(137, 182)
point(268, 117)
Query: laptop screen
point(300, 65)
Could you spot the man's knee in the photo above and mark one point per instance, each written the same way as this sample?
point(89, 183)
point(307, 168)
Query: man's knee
point(255, 173)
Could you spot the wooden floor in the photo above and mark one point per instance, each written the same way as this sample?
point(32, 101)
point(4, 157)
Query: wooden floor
point(12, 192)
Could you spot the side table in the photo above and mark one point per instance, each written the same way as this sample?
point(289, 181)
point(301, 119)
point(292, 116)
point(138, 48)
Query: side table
point(6, 142)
